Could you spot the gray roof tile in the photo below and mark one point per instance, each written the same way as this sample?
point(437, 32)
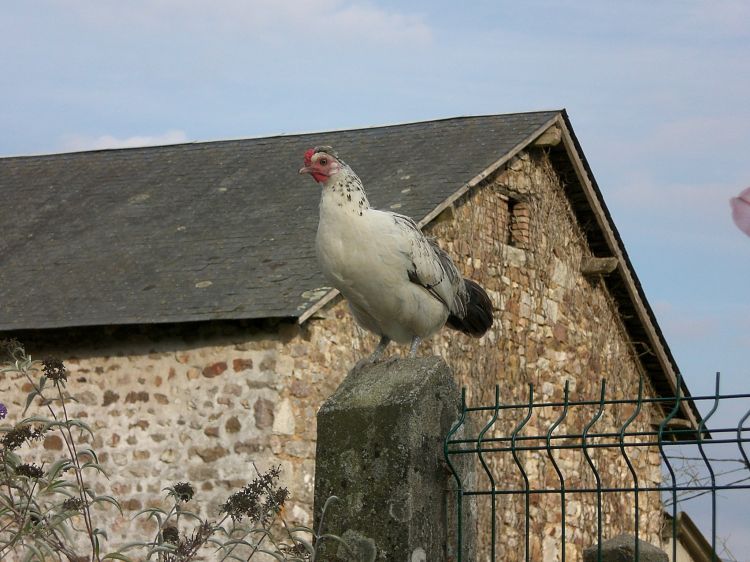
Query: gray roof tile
point(214, 230)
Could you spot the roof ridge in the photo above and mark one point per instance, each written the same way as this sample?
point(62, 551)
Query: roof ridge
point(279, 135)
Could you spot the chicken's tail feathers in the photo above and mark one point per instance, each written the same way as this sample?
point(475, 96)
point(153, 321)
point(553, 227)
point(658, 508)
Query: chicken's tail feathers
point(478, 317)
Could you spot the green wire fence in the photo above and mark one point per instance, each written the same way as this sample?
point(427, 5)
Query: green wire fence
point(527, 434)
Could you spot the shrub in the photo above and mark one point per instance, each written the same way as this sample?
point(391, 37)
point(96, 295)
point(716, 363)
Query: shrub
point(46, 511)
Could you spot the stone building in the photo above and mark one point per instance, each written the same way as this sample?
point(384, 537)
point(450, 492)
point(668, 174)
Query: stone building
point(692, 545)
point(179, 284)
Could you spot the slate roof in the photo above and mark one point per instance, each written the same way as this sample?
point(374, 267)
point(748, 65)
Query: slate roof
point(211, 230)
point(224, 230)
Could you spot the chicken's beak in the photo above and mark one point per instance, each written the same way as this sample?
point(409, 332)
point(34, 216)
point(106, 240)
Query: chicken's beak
point(305, 170)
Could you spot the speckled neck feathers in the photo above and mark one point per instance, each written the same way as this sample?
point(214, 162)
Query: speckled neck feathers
point(345, 192)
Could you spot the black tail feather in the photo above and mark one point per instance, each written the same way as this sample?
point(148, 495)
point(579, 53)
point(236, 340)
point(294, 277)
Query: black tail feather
point(478, 318)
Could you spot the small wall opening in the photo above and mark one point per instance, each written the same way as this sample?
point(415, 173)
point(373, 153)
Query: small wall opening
point(518, 226)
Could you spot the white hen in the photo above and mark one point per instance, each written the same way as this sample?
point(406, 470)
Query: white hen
point(399, 283)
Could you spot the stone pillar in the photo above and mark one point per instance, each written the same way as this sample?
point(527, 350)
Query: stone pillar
point(380, 450)
point(622, 549)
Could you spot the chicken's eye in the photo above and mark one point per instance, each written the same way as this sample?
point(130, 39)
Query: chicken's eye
point(323, 161)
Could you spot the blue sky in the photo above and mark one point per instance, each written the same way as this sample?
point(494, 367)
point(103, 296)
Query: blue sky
point(658, 93)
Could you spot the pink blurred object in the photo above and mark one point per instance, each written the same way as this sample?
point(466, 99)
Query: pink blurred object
point(741, 211)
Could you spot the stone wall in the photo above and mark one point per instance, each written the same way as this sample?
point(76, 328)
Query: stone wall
point(552, 325)
point(202, 402)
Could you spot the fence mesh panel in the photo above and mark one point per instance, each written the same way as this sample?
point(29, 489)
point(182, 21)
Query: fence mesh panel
point(554, 475)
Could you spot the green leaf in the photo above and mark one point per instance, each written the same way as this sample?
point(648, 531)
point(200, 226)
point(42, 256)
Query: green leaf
point(116, 556)
point(29, 399)
point(58, 467)
point(191, 515)
point(82, 426)
point(235, 557)
point(132, 545)
point(100, 532)
point(33, 551)
point(95, 466)
point(276, 555)
point(40, 419)
point(217, 542)
point(308, 545)
point(89, 451)
point(165, 547)
point(223, 531)
point(235, 542)
point(154, 512)
point(108, 499)
point(60, 487)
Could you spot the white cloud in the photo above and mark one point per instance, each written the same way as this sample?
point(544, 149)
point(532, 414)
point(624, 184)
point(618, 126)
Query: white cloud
point(684, 324)
point(680, 207)
point(726, 16)
point(74, 143)
point(705, 154)
point(687, 137)
point(697, 134)
point(283, 19)
point(380, 24)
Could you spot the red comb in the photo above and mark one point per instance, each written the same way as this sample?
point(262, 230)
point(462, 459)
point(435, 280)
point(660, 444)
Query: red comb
point(308, 156)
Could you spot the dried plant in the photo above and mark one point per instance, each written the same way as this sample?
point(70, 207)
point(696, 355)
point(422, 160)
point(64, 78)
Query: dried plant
point(45, 510)
point(43, 507)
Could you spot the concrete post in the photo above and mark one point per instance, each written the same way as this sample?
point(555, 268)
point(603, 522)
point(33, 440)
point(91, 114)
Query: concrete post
point(622, 549)
point(380, 450)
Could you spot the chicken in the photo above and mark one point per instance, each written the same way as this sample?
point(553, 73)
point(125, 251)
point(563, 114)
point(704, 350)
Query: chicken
point(398, 282)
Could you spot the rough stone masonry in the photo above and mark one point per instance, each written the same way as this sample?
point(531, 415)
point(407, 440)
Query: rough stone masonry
point(199, 402)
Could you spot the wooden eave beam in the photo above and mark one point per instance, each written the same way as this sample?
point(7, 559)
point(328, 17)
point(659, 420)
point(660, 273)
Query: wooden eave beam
point(551, 137)
point(596, 266)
